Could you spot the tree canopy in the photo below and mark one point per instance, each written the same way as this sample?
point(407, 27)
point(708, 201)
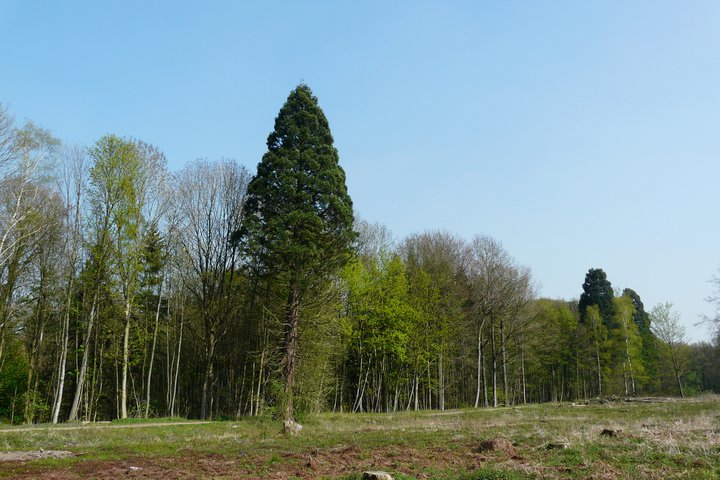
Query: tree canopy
point(128, 290)
point(598, 291)
point(298, 217)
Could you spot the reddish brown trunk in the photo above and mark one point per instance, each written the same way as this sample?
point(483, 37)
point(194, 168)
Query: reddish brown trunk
point(291, 349)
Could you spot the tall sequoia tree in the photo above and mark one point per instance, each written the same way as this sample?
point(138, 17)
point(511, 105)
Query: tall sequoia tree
point(597, 290)
point(297, 222)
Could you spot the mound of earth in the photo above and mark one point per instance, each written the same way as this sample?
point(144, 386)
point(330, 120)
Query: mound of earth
point(498, 444)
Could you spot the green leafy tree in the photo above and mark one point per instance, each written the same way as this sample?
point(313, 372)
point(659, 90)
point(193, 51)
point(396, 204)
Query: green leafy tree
point(154, 257)
point(671, 336)
point(703, 368)
point(104, 199)
point(550, 347)
point(648, 350)
point(24, 154)
point(595, 352)
point(435, 268)
point(627, 344)
point(381, 319)
point(297, 223)
point(123, 178)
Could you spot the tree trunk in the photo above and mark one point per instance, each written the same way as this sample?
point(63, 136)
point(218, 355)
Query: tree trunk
point(494, 362)
point(291, 351)
point(239, 400)
point(259, 382)
point(29, 394)
point(503, 350)
point(522, 368)
point(577, 377)
point(177, 362)
point(169, 359)
point(676, 369)
point(429, 388)
point(597, 357)
point(480, 380)
point(416, 382)
point(83, 367)
point(360, 384)
point(441, 383)
point(64, 338)
point(99, 349)
point(152, 351)
point(5, 304)
point(207, 377)
point(125, 360)
point(679, 383)
point(396, 400)
point(629, 361)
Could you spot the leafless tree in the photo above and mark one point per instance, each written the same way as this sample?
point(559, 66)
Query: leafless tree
point(210, 198)
point(501, 289)
point(72, 178)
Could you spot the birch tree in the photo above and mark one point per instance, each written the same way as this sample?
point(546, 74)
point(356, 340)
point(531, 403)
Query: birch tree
point(671, 334)
point(72, 179)
point(500, 290)
point(24, 155)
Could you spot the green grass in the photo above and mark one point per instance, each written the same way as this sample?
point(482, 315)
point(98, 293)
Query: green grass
point(664, 440)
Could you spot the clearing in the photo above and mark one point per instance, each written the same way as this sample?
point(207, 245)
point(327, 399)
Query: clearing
point(648, 439)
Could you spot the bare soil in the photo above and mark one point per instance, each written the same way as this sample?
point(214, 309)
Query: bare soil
point(498, 444)
point(315, 463)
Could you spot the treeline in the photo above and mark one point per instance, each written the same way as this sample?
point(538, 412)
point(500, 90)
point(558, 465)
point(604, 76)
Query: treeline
point(127, 290)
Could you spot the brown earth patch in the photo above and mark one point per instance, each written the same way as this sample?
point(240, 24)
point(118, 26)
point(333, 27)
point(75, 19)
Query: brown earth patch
point(499, 444)
point(277, 464)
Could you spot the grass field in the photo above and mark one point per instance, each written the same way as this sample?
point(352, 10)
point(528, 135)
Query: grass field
point(662, 439)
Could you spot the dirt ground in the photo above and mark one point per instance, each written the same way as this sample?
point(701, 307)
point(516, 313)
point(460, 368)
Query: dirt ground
point(336, 462)
point(653, 442)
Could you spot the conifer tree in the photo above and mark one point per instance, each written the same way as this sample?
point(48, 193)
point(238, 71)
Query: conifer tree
point(297, 222)
point(597, 290)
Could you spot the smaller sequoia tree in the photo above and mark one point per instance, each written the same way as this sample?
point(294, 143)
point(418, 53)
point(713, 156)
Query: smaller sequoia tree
point(297, 222)
point(598, 291)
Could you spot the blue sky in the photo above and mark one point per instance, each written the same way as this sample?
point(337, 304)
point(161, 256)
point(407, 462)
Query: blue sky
point(579, 134)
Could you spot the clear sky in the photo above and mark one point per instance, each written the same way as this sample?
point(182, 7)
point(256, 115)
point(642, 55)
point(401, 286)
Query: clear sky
point(580, 134)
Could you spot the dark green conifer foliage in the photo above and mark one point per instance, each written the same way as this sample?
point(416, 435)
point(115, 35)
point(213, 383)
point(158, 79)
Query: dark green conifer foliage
point(597, 290)
point(297, 222)
point(641, 317)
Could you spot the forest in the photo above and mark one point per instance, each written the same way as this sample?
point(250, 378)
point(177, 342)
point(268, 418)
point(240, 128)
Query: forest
point(129, 290)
